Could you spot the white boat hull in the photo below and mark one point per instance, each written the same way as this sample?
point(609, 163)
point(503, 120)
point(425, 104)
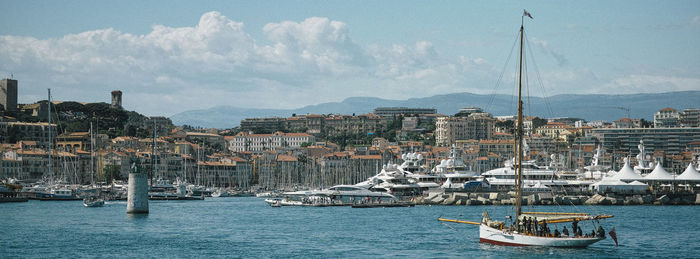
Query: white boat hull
point(506, 238)
point(92, 204)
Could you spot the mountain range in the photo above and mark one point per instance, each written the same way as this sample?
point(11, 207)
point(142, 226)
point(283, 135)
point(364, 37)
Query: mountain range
point(590, 107)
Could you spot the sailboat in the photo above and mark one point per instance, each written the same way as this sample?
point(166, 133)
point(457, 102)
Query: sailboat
point(93, 200)
point(527, 227)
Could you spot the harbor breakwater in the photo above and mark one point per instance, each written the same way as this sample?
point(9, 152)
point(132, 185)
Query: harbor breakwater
point(498, 198)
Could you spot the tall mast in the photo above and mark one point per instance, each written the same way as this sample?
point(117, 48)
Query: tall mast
point(92, 155)
point(519, 132)
point(49, 121)
point(155, 151)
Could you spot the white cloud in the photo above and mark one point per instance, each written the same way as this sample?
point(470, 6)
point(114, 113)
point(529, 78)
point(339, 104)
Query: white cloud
point(654, 83)
point(217, 62)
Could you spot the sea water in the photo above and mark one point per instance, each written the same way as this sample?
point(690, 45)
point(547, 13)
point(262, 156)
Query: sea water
point(246, 227)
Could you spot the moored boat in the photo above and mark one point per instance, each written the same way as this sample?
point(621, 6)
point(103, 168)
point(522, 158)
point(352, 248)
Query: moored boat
point(92, 202)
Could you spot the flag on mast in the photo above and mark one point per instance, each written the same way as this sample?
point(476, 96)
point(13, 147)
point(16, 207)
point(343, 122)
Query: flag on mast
point(526, 13)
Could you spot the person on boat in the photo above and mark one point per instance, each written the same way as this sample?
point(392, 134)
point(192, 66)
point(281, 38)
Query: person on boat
point(534, 226)
point(601, 232)
point(545, 230)
point(593, 233)
point(574, 225)
point(556, 232)
point(579, 232)
point(526, 227)
point(565, 231)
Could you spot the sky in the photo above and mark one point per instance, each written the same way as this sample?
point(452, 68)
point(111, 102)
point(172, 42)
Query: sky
point(173, 56)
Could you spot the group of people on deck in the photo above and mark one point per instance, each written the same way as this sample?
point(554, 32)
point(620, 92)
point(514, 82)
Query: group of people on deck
point(531, 226)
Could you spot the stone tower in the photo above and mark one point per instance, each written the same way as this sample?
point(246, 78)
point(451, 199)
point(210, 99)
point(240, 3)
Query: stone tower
point(117, 99)
point(8, 94)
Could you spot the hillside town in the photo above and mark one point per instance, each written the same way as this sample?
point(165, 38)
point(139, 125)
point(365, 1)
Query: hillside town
point(316, 150)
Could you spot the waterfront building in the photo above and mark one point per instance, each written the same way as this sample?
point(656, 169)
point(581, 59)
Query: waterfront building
point(207, 139)
point(10, 165)
point(8, 94)
point(35, 165)
point(667, 118)
point(690, 118)
point(187, 148)
point(32, 131)
point(475, 126)
point(263, 124)
point(502, 148)
point(120, 160)
point(314, 123)
point(556, 130)
point(670, 140)
point(216, 173)
point(391, 112)
point(260, 142)
point(146, 144)
point(74, 141)
point(627, 123)
point(125, 143)
point(297, 124)
point(363, 124)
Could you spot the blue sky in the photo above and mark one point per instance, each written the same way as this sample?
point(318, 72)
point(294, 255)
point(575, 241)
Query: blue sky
point(172, 56)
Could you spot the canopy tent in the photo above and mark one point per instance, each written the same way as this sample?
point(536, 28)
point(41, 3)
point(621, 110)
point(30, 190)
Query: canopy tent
point(627, 173)
point(638, 187)
point(615, 185)
point(659, 174)
point(690, 174)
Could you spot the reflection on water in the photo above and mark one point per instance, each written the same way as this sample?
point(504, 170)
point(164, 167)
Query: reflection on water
point(136, 216)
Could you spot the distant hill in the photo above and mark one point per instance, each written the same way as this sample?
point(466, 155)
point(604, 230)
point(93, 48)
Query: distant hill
point(589, 107)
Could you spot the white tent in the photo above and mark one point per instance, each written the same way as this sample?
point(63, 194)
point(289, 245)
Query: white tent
point(638, 186)
point(615, 185)
point(627, 173)
point(690, 174)
point(659, 174)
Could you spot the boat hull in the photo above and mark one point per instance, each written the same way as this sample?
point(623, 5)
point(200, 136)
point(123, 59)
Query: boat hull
point(93, 204)
point(505, 238)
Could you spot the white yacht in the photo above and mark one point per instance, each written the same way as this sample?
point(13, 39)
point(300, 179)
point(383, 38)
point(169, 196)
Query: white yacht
point(454, 173)
point(339, 195)
point(394, 180)
point(534, 176)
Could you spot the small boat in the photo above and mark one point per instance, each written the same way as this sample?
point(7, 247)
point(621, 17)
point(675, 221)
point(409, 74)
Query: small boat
point(92, 202)
point(220, 193)
point(274, 202)
point(531, 228)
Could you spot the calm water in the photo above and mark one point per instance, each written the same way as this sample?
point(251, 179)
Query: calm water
point(248, 228)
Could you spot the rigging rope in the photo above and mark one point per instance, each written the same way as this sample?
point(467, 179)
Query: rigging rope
point(500, 77)
point(539, 79)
